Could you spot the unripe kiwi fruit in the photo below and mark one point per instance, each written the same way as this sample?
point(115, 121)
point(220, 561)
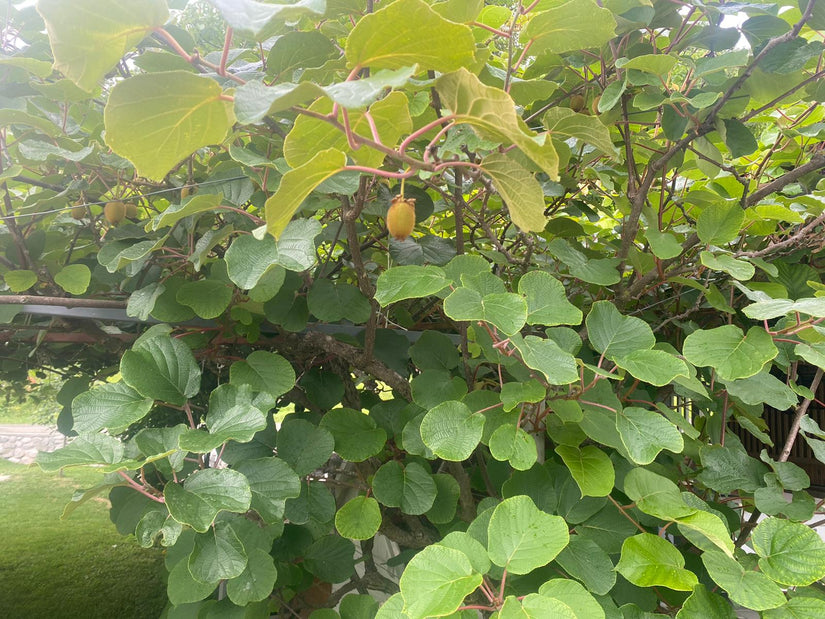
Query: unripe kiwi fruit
point(131, 211)
point(114, 212)
point(185, 192)
point(401, 217)
point(594, 105)
point(79, 210)
point(577, 103)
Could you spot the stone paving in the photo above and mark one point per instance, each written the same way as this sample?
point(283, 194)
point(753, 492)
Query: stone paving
point(20, 443)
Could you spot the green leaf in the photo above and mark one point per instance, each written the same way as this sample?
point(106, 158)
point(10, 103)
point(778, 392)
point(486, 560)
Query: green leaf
point(774, 308)
point(332, 302)
point(419, 37)
point(204, 494)
point(648, 561)
point(156, 119)
point(535, 606)
point(558, 366)
point(725, 469)
point(547, 302)
point(436, 581)
point(703, 604)
point(182, 588)
point(566, 123)
point(20, 280)
point(492, 113)
point(791, 553)
point(358, 518)
point(433, 387)
point(574, 596)
point(84, 449)
point(208, 298)
point(409, 282)
point(763, 388)
point(452, 431)
point(356, 435)
point(663, 244)
point(655, 495)
point(749, 589)
point(297, 184)
point(256, 581)
point(271, 482)
point(89, 37)
point(513, 394)
point(232, 416)
point(614, 335)
point(738, 269)
point(521, 537)
point(738, 138)
point(434, 351)
point(657, 64)
point(519, 189)
point(296, 244)
point(590, 467)
point(584, 560)
point(330, 559)
point(264, 371)
point(720, 224)
point(257, 18)
point(411, 488)
point(218, 554)
point(645, 433)
point(114, 406)
point(191, 205)
point(730, 353)
point(74, 278)
point(506, 311)
point(298, 50)
point(600, 271)
point(446, 499)
point(797, 608)
point(161, 368)
point(304, 446)
point(568, 26)
point(510, 443)
point(656, 367)
point(248, 258)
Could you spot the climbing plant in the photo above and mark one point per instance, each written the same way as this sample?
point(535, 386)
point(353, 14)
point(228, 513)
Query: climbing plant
point(537, 395)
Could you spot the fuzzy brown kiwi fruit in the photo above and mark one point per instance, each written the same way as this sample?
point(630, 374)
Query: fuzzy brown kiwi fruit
point(401, 217)
point(131, 211)
point(594, 106)
point(577, 103)
point(114, 212)
point(79, 210)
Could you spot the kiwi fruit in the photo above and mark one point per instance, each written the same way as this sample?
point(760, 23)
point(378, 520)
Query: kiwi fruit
point(401, 217)
point(114, 212)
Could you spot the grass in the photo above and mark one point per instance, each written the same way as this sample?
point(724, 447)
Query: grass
point(79, 567)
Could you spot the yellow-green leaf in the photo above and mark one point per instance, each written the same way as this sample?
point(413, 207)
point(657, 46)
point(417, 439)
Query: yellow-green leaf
point(519, 189)
point(89, 37)
point(156, 119)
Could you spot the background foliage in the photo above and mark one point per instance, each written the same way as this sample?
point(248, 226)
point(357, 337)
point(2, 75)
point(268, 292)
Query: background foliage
point(531, 407)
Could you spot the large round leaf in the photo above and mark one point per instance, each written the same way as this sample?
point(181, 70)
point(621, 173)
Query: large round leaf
point(436, 581)
point(791, 553)
point(358, 518)
point(452, 431)
point(411, 488)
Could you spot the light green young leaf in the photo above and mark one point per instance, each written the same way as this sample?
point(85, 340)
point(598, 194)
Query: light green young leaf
point(569, 26)
point(156, 119)
point(232, 416)
point(409, 282)
point(264, 371)
point(738, 269)
point(89, 37)
point(521, 537)
point(248, 258)
point(492, 114)
point(566, 123)
point(590, 467)
point(420, 36)
point(648, 561)
point(74, 278)
point(297, 184)
point(358, 518)
point(720, 224)
point(656, 367)
point(20, 280)
point(558, 366)
point(519, 189)
point(84, 449)
point(574, 595)
point(510, 443)
point(436, 581)
point(191, 205)
point(703, 604)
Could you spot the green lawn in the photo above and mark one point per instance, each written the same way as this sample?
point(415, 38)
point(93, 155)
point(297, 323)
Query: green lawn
point(79, 567)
